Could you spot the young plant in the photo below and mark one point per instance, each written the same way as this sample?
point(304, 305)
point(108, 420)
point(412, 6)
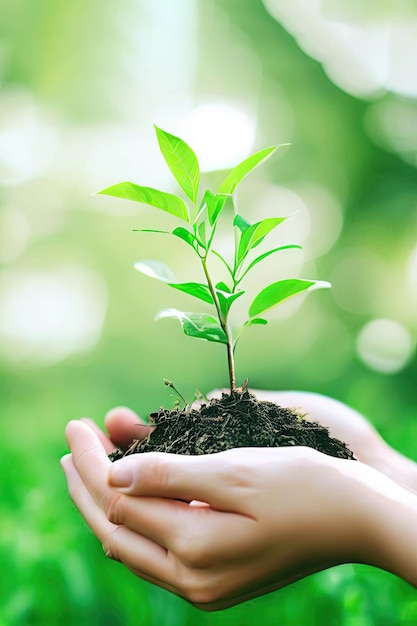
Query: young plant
point(199, 220)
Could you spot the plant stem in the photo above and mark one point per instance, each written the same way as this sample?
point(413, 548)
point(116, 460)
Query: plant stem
point(231, 363)
point(224, 325)
point(169, 383)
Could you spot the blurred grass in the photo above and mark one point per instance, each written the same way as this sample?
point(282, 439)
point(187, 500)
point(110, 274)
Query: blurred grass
point(73, 60)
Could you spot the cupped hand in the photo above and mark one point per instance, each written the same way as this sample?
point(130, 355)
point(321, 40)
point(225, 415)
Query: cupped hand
point(223, 528)
point(343, 422)
point(349, 426)
point(354, 429)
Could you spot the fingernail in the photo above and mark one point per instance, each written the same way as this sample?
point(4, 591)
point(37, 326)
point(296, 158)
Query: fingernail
point(64, 461)
point(121, 475)
point(67, 466)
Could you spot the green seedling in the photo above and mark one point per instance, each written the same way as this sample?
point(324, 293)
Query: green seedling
point(199, 218)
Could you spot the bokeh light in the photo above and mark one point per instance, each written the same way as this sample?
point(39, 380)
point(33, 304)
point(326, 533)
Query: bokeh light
point(222, 135)
point(27, 138)
point(48, 315)
point(385, 345)
point(392, 124)
point(365, 48)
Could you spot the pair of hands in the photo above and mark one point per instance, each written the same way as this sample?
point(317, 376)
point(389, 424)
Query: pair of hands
point(221, 529)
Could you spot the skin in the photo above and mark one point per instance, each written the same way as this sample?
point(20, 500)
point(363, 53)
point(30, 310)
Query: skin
point(348, 425)
point(221, 529)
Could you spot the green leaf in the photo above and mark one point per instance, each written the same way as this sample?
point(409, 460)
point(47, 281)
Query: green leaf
point(266, 254)
point(253, 235)
point(160, 271)
point(251, 322)
point(215, 205)
point(223, 287)
point(202, 232)
point(243, 169)
point(198, 325)
point(197, 290)
point(185, 234)
point(280, 291)
point(159, 199)
point(182, 162)
point(226, 299)
point(241, 223)
point(156, 269)
point(255, 321)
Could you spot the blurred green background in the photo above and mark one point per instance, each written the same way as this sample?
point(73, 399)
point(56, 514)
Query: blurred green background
point(81, 83)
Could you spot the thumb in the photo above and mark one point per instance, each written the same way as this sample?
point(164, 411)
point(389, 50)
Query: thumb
point(208, 478)
point(123, 425)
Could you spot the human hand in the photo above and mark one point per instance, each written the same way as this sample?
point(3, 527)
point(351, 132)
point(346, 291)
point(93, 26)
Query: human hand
point(349, 426)
point(343, 422)
point(122, 425)
point(271, 516)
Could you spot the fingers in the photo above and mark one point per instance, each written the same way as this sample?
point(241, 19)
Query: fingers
point(218, 479)
point(123, 425)
point(171, 523)
point(90, 460)
point(158, 519)
point(196, 544)
point(93, 515)
point(92, 466)
point(197, 536)
point(164, 541)
point(105, 441)
point(146, 558)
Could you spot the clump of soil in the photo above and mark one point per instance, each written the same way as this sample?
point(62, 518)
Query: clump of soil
point(235, 420)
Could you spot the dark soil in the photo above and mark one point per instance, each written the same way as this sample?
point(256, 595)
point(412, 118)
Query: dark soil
point(235, 420)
